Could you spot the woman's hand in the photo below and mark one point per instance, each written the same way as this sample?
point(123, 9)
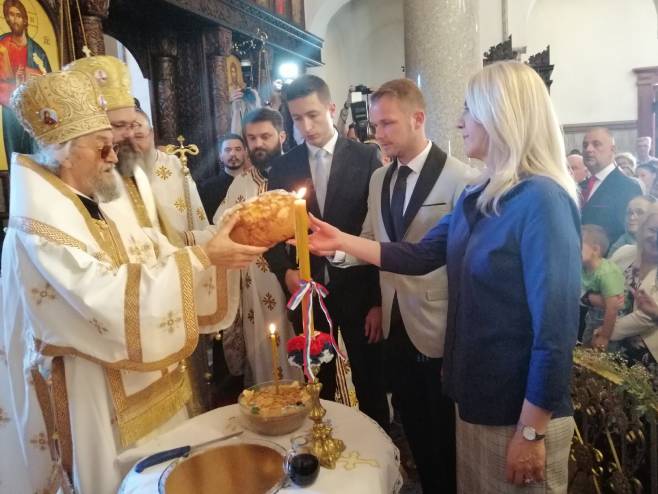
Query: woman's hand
point(646, 303)
point(526, 460)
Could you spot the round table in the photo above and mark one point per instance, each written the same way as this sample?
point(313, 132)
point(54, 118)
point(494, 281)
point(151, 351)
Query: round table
point(370, 462)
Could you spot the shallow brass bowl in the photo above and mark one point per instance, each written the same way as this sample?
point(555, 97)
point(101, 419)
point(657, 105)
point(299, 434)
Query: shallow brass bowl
point(246, 468)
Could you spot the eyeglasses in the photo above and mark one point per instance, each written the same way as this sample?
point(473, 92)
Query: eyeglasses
point(105, 150)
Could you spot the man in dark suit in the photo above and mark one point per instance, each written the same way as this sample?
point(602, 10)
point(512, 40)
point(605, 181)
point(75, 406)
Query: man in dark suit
point(607, 191)
point(232, 155)
point(336, 173)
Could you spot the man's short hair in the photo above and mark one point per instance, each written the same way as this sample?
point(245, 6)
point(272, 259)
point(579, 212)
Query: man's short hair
point(575, 151)
point(15, 3)
point(402, 89)
point(305, 86)
point(229, 137)
point(263, 115)
point(596, 236)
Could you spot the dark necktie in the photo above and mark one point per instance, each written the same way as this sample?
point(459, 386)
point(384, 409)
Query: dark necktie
point(397, 201)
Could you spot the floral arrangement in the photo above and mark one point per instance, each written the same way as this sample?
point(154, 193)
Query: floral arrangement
point(321, 351)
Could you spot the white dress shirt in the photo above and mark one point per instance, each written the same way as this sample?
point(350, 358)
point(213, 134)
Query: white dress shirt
point(600, 177)
point(416, 165)
point(321, 167)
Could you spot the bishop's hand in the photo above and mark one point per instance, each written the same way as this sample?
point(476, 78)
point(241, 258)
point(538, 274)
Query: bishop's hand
point(223, 251)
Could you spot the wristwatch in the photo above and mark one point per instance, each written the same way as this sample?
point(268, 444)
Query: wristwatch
point(530, 434)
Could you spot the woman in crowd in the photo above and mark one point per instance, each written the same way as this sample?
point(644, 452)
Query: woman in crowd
point(626, 163)
point(635, 214)
point(512, 249)
point(638, 330)
point(647, 175)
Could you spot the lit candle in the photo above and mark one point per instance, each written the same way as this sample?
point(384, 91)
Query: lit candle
point(303, 256)
point(275, 357)
point(301, 236)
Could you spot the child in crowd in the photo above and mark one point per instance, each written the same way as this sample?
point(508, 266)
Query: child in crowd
point(602, 285)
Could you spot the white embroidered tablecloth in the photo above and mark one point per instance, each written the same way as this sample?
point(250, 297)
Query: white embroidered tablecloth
point(369, 465)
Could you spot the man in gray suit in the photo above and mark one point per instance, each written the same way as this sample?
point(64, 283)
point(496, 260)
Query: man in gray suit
point(405, 200)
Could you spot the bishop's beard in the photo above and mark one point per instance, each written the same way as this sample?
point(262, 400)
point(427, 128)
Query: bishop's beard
point(129, 158)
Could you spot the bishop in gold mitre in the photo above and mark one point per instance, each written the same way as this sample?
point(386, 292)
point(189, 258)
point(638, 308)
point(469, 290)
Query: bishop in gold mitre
point(155, 187)
point(98, 315)
point(157, 190)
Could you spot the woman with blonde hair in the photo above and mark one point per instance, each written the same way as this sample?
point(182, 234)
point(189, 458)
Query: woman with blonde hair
point(512, 250)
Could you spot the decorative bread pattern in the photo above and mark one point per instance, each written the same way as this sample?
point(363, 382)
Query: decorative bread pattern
point(264, 220)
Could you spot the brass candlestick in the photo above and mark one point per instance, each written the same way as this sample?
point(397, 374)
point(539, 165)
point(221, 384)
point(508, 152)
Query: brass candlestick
point(326, 448)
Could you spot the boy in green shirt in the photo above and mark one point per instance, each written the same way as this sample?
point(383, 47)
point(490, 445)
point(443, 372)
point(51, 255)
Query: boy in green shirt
point(603, 278)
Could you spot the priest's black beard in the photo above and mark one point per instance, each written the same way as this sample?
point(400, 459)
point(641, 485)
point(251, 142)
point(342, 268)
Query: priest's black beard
point(261, 157)
point(129, 158)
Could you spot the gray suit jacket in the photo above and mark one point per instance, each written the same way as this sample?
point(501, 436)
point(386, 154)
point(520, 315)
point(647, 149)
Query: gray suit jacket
point(423, 300)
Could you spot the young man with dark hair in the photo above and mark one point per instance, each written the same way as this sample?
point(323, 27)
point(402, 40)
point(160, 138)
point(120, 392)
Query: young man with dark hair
point(264, 135)
point(336, 173)
point(232, 158)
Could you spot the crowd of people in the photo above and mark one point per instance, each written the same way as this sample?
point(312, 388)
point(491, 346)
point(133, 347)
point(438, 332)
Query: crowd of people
point(457, 290)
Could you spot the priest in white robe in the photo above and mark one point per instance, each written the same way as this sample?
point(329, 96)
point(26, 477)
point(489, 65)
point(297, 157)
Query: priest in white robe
point(95, 320)
point(262, 301)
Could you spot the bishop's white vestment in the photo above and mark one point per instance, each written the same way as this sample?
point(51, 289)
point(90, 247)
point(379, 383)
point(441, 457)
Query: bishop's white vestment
point(95, 323)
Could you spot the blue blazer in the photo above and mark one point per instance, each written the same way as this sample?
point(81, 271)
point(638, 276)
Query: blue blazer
point(513, 286)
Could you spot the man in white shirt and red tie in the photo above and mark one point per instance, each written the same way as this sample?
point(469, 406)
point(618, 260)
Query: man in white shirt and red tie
point(607, 192)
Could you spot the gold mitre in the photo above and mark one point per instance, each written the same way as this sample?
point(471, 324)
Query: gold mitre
point(60, 106)
point(112, 76)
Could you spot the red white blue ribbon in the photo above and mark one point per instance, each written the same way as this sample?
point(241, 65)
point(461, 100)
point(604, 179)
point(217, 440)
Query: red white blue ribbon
point(311, 288)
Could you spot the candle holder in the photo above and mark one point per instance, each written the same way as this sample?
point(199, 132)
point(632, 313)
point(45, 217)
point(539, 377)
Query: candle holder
point(325, 447)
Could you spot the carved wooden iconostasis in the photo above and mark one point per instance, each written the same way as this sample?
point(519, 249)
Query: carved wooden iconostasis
point(182, 46)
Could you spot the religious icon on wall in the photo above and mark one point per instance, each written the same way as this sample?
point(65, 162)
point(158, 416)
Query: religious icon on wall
point(28, 48)
point(234, 74)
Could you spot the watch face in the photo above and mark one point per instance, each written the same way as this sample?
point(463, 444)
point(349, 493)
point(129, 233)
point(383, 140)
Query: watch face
point(529, 433)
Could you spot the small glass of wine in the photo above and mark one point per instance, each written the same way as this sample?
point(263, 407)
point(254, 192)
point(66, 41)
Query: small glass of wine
point(301, 465)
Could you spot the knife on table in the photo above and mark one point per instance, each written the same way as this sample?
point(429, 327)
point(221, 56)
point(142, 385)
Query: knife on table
point(171, 454)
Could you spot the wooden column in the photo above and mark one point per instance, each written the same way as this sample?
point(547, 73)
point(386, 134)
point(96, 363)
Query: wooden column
point(164, 84)
point(93, 14)
point(647, 80)
point(219, 41)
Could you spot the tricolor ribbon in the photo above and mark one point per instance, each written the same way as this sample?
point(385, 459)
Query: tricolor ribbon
point(311, 288)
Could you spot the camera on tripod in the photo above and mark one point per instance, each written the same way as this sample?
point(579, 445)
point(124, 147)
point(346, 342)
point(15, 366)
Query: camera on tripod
point(360, 104)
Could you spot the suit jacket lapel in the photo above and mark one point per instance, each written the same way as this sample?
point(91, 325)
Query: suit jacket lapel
point(338, 164)
point(429, 174)
point(386, 201)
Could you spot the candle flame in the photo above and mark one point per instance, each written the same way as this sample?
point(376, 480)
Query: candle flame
point(272, 329)
point(301, 193)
